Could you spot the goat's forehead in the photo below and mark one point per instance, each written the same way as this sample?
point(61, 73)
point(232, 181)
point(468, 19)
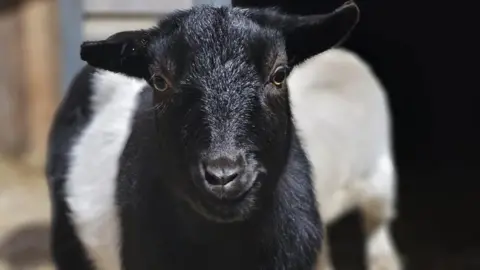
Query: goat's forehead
point(219, 33)
point(215, 41)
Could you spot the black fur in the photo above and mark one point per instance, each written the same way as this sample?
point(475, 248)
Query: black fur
point(71, 117)
point(219, 103)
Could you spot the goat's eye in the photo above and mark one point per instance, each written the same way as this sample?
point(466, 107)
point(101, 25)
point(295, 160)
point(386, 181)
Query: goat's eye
point(279, 75)
point(159, 83)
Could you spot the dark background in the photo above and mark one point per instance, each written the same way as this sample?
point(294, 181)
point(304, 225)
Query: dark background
point(424, 53)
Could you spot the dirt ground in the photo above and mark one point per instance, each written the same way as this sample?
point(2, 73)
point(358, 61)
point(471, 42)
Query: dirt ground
point(24, 218)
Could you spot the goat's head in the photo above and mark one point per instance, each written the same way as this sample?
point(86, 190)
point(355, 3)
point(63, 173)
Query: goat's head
point(222, 109)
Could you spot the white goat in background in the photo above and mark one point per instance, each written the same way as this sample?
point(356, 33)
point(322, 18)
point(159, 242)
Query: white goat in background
point(342, 114)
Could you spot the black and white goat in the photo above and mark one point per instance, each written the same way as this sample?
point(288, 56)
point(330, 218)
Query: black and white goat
point(342, 117)
point(175, 147)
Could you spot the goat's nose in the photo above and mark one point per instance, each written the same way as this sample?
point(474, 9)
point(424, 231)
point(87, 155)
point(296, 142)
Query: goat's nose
point(223, 170)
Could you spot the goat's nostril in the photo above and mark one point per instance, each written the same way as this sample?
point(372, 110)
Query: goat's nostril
point(216, 175)
point(219, 179)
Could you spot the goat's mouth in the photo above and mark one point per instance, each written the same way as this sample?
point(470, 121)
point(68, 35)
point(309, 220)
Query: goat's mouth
point(229, 202)
point(229, 192)
point(227, 211)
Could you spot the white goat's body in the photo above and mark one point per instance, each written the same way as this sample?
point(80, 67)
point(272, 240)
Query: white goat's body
point(342, 116)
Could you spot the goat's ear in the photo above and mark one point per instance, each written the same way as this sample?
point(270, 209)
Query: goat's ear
point(309, 35)
point(124, 52)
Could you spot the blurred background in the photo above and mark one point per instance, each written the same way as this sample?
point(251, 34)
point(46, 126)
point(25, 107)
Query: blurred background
point(424, 53)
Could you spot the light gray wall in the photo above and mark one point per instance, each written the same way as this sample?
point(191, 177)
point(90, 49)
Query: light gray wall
point(212, 2)
point(70, 19)
point(135, 6)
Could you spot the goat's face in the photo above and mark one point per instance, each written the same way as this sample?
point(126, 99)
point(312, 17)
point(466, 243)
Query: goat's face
point(222, 109)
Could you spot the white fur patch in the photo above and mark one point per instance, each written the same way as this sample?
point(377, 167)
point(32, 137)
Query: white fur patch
point(342, 118)
point(91, 181)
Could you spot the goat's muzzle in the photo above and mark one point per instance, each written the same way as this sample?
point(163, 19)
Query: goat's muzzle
point(227, 177)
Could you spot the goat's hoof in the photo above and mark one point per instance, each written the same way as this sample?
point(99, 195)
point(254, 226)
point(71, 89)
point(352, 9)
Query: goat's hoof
point(384, 262)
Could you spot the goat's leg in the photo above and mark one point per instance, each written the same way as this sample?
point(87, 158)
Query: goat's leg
point(325, 259)
point(381, 252)
point(378, 210)
point(332, 207)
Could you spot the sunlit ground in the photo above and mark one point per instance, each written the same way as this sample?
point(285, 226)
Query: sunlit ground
point(24, 218)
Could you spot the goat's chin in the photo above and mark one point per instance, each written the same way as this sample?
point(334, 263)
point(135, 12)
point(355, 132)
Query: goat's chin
point(226, 212)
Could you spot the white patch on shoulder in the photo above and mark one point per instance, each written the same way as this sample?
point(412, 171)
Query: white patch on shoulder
point(90, 188)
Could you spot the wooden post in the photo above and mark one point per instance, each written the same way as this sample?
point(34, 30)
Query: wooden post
point(12, 131)
point(40, 41)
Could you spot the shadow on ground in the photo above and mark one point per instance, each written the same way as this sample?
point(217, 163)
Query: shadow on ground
point(26, 247)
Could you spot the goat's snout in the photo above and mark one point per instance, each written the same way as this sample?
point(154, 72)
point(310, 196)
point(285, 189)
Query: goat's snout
point(226, 176)
point(223, 170)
